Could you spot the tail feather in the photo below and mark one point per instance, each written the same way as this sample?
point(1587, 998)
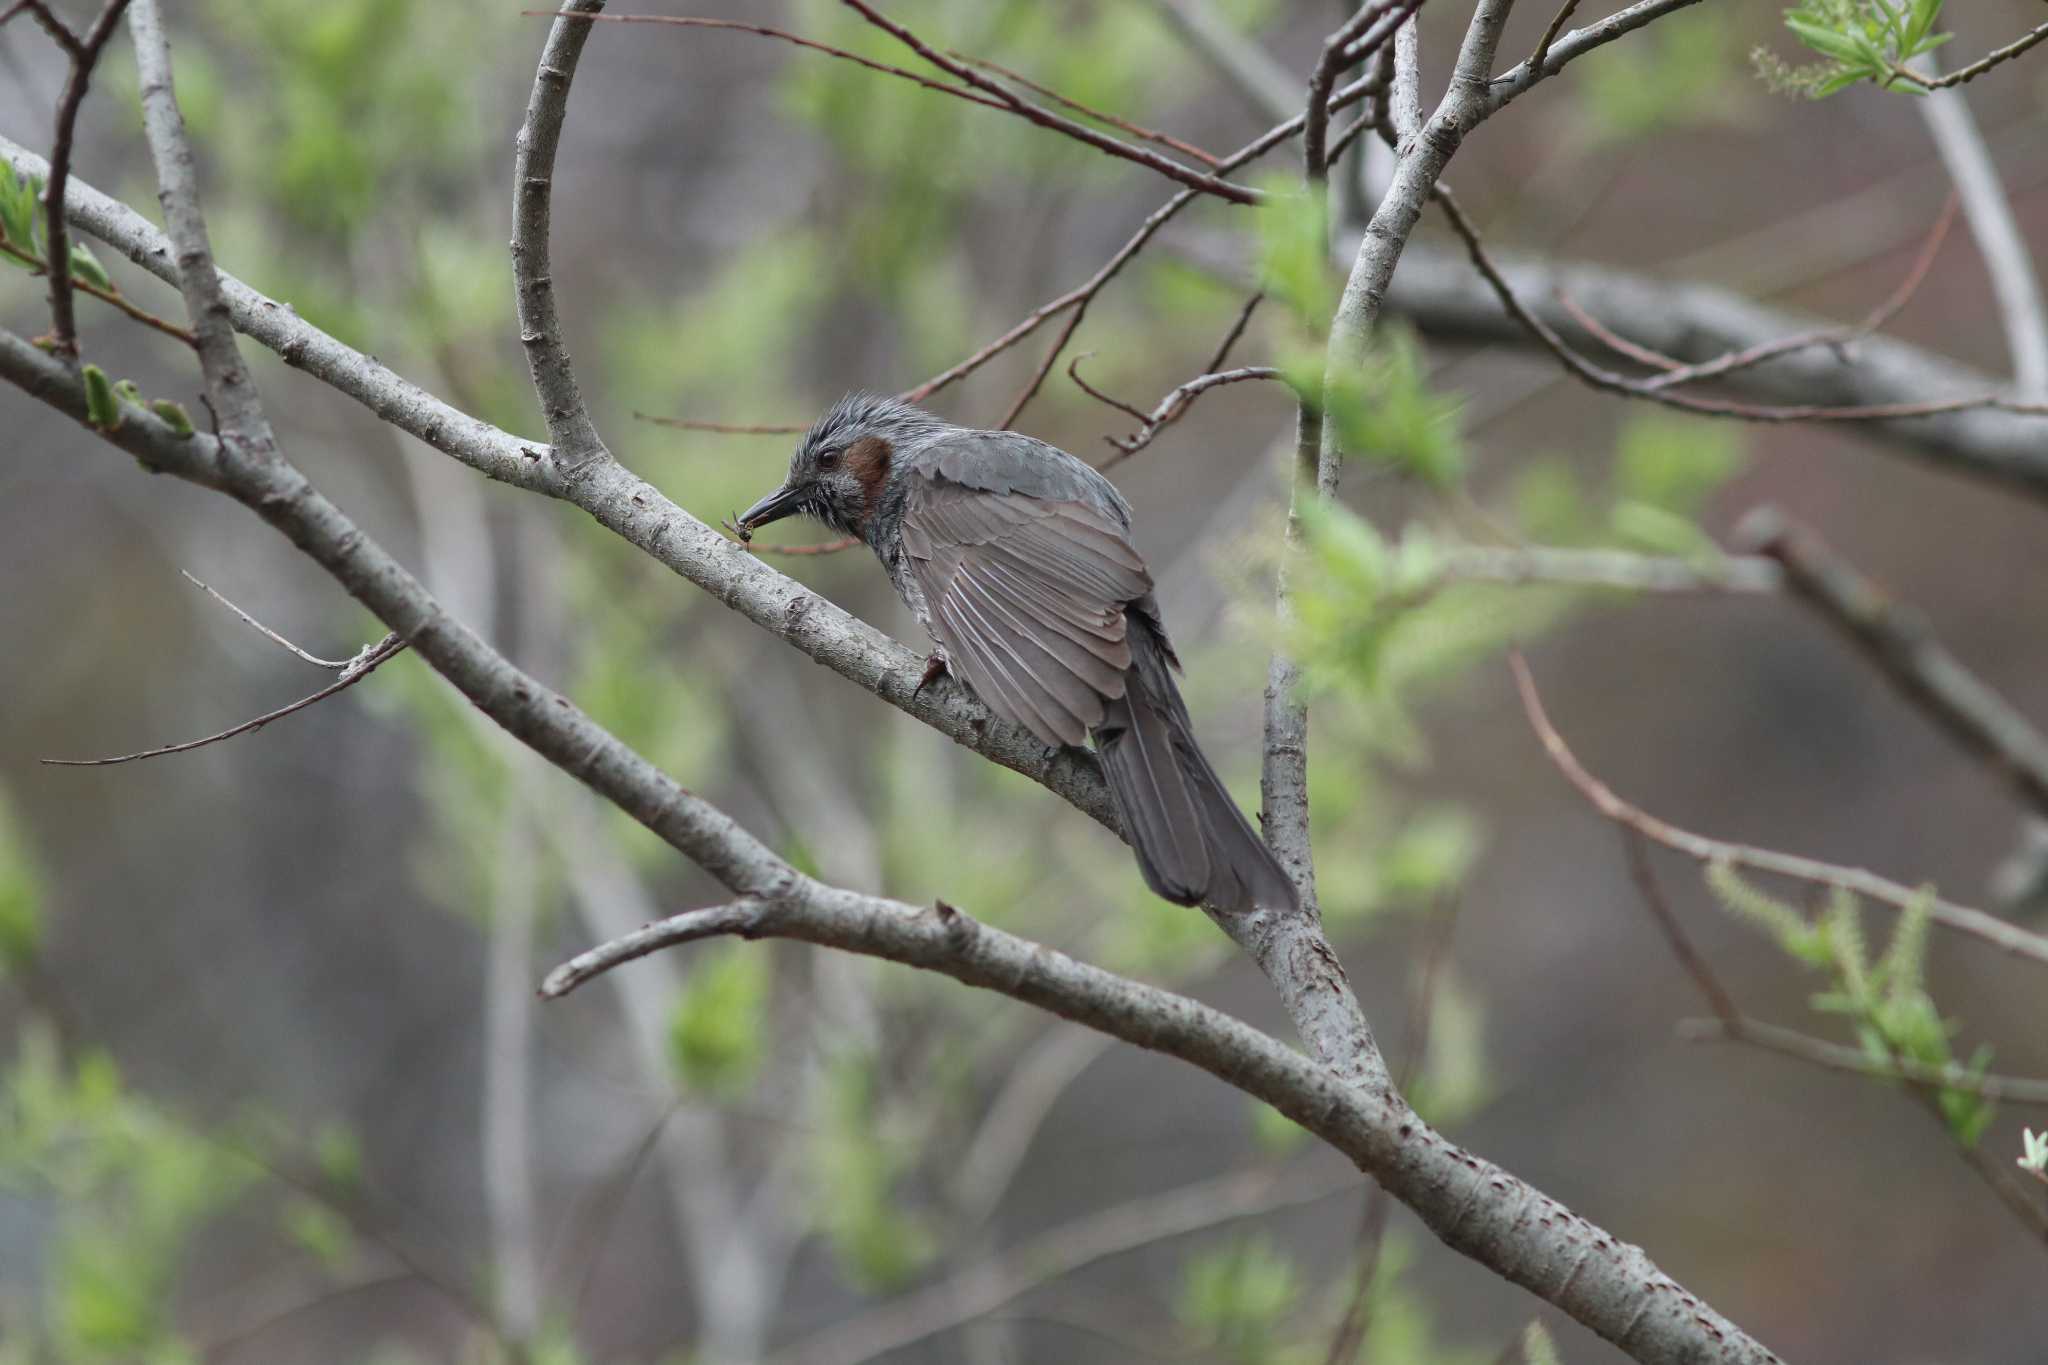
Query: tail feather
point(1194, 845)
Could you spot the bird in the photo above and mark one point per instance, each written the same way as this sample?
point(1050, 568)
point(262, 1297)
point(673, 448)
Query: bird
point(1017, 560)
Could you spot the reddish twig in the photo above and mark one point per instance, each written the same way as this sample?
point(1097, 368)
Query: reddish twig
point(1074, 373)
point(1676, 372)
point(1199, 181)
point(1645, 878)
point(781, 35)
point(52, 25)
point(114, 298)
point(85, 54)
point(1609, 381)
point(1079, 297)
point(1856, 880)
point(722, 428)
point(1315, 124)
point(1175, 405)
point(357, 669)
point(1134, 129)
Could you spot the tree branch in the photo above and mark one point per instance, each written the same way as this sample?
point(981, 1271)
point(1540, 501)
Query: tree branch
point(1905, 650)
point(2006, 261)
point(85, 55)
point(1868, 885)
point(353, 672)
point(1199, 181)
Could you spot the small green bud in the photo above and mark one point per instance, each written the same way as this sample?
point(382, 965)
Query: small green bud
point(102, 408)
point(172, 416)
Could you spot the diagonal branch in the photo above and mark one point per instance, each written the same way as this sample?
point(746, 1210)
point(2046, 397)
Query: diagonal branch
point(1868, 885)
point(1173, 170)
point(1899, 642)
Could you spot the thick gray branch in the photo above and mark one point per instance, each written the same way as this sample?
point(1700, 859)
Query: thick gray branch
point(575, 437)
point(1438, 291)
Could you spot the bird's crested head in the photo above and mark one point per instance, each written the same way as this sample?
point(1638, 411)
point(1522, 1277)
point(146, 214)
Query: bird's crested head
point(842, 468)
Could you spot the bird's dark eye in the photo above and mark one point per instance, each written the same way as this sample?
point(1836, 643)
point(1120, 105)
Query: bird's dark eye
point(828, 459)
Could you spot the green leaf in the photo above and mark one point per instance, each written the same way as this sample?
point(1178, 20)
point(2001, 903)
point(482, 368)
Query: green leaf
point(86, 266)
point(18, 210)
point(102, 408)
point(173, 416)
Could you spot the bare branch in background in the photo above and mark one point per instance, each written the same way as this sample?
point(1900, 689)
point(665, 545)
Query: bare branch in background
point(1619, 569)
point(1246, 67)
point(1045, 118)
point(353, 672)
point(723, 428)
point(1857, 881)
point(1657, 390)
point(2021, 1090)
point(1113, 120)
point(1730, 362)
point(1905, 650)
point(978, 1290)
point(2014, 282)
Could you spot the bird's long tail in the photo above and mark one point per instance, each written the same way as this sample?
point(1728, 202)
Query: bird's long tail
point(1194, 845)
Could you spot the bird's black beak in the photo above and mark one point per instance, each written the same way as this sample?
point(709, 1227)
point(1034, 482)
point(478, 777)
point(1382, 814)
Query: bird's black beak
point(783, 502)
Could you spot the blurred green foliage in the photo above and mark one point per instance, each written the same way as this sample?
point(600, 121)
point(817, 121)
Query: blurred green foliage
point(1885, 1002)
point(1858, 40)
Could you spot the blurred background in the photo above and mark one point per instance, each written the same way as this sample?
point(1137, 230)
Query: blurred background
point(277, 1087)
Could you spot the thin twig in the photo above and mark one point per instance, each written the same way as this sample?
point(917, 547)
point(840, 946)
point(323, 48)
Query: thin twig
point(1976, 68)
point(2022, 1090)
point(1645, 878)
point(823, 547)
point(1676, 373)
point(1173, 407)
point(2001, 243)
point(976, 1290)
point(332, 665)
point(85, 54)
point(359, 668)
point(1550, 32)
point(781, 35)
point(1899, 642)
point(1858, 881)
point(1621, 569)
point(723, 428)
point(1199, 181)
point(1074, 373)
point(112, 297)
point(1609, 381)
point(1134, 129)
point(1079, 297)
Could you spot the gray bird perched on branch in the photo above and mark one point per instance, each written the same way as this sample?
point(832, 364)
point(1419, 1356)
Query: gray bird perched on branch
point(1017, 559)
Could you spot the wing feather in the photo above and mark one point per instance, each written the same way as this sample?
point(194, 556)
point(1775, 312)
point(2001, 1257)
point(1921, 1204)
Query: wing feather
point(1027, 595)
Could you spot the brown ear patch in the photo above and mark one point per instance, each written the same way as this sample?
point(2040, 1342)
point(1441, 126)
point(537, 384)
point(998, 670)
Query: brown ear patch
point(868, 461)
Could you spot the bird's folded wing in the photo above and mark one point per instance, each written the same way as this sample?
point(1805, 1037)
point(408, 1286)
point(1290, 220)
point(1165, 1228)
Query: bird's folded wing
point(1027, 598)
